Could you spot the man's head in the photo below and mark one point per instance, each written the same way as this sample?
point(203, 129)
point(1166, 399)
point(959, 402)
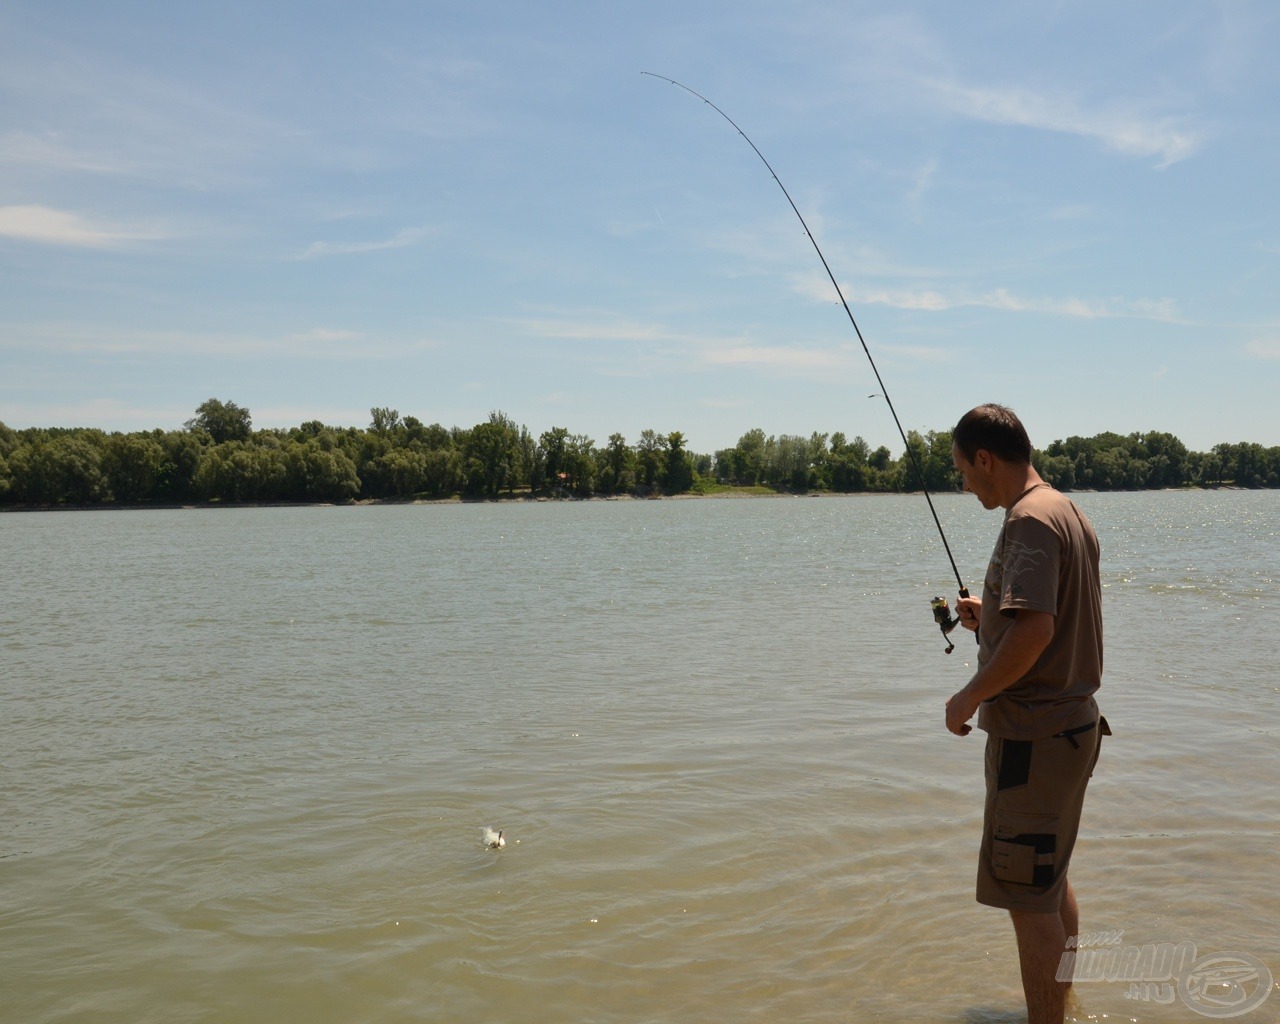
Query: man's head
point(995, 428)
point(992, 454)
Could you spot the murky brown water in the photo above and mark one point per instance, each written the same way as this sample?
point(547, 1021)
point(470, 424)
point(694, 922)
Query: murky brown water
point(247, 755)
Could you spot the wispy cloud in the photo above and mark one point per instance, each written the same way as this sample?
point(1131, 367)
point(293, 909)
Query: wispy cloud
point(315, 343)
point(817, 286)
point(927, 300)
point(592, 329)
point(779, 357)
point(913, 66)
point(921, 182)
point(1119, 125)
point(293, 415)
point(1264, 348)
point(819, 362)
point(703, 351)
point(47, 226)
point(87, 114)
point(401, 239)
point(103, 413)
point(115, 414)
point(49, 151)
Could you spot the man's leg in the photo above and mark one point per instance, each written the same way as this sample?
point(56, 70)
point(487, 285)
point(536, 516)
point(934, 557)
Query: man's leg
point(1041, 940)
point(1069, 912)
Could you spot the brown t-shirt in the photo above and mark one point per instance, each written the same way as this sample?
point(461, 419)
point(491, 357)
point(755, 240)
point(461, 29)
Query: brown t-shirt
point(1045, 559)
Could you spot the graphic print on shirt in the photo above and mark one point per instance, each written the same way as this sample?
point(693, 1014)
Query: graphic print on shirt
point(1014, 559)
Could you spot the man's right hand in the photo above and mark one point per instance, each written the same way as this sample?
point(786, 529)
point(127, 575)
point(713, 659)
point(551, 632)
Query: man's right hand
point(968, 609)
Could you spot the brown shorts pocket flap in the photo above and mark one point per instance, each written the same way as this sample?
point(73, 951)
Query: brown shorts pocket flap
point(1022, 853)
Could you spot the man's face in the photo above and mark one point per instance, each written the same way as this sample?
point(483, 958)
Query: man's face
point(976, 475)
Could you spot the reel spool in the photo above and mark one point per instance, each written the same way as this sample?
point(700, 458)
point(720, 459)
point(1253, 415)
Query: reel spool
point(945, 620)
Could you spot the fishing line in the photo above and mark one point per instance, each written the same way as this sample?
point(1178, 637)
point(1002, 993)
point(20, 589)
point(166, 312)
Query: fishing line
point(941, 615)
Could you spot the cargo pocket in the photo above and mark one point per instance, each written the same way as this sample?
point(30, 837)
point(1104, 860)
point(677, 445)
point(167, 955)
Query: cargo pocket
point(1023, 856)
point(1015, 764)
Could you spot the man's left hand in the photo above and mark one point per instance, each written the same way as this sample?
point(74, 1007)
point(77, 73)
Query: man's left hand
point(961, 708)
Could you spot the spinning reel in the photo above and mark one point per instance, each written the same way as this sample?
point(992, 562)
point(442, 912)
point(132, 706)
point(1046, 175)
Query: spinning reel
point(945, 620)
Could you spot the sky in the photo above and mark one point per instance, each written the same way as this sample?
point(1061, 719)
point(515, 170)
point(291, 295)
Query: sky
point(312, 209)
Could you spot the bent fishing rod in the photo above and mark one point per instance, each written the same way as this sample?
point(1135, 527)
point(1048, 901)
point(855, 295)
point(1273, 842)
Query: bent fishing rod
point(941, 613)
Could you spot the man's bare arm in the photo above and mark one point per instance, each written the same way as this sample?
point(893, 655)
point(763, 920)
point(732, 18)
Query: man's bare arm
point(1019, 648)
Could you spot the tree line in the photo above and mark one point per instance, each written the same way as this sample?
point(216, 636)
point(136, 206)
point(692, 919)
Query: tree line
point(219, 457)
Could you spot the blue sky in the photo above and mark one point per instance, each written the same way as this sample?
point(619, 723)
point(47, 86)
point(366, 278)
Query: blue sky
point(313, 209)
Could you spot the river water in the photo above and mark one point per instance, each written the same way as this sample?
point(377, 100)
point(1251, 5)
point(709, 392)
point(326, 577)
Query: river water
point(247, 755)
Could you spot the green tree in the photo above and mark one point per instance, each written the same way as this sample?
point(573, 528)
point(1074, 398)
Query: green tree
point(1058, 470)
point(222, 421)
point(649, 459)
point(940, 470)
point(786, 462)
point(1212, 471)
point(65, 468)
point(182, 452)
point(317, 473)
point(1166, 459)
point(617, 472)
point(819, 462)
point(927, 456)
point(526, 458)
point(384, 421)
point(913, 463)
point(134, 465)
point(239, 471)
point(581, 464)
point(491, 457)
point(397, 473)
point(552, 459)
point(748, 458)
point(1251, 464)
point(677, 472)
point(848, 461)
point(442, 469)
point(437, 438)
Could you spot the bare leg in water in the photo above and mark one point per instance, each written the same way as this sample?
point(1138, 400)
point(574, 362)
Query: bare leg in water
point(1042, 938)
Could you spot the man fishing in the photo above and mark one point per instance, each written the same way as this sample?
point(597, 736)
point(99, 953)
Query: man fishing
point(1039, 624)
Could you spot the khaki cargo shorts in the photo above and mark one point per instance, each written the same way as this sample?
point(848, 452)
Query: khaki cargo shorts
point(1035, 791)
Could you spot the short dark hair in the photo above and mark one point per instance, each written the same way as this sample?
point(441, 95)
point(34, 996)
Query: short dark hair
point(995, 428)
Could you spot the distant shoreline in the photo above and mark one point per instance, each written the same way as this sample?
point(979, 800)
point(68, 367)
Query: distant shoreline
point(533, 500)
point(516, 499)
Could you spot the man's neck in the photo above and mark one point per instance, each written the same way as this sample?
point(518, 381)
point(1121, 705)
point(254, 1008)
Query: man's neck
point(1016, 481)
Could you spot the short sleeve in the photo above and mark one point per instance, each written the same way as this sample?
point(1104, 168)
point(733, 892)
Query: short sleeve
point(1029, 558)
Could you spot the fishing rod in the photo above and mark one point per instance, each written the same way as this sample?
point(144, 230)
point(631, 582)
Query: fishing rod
point(941, 613)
